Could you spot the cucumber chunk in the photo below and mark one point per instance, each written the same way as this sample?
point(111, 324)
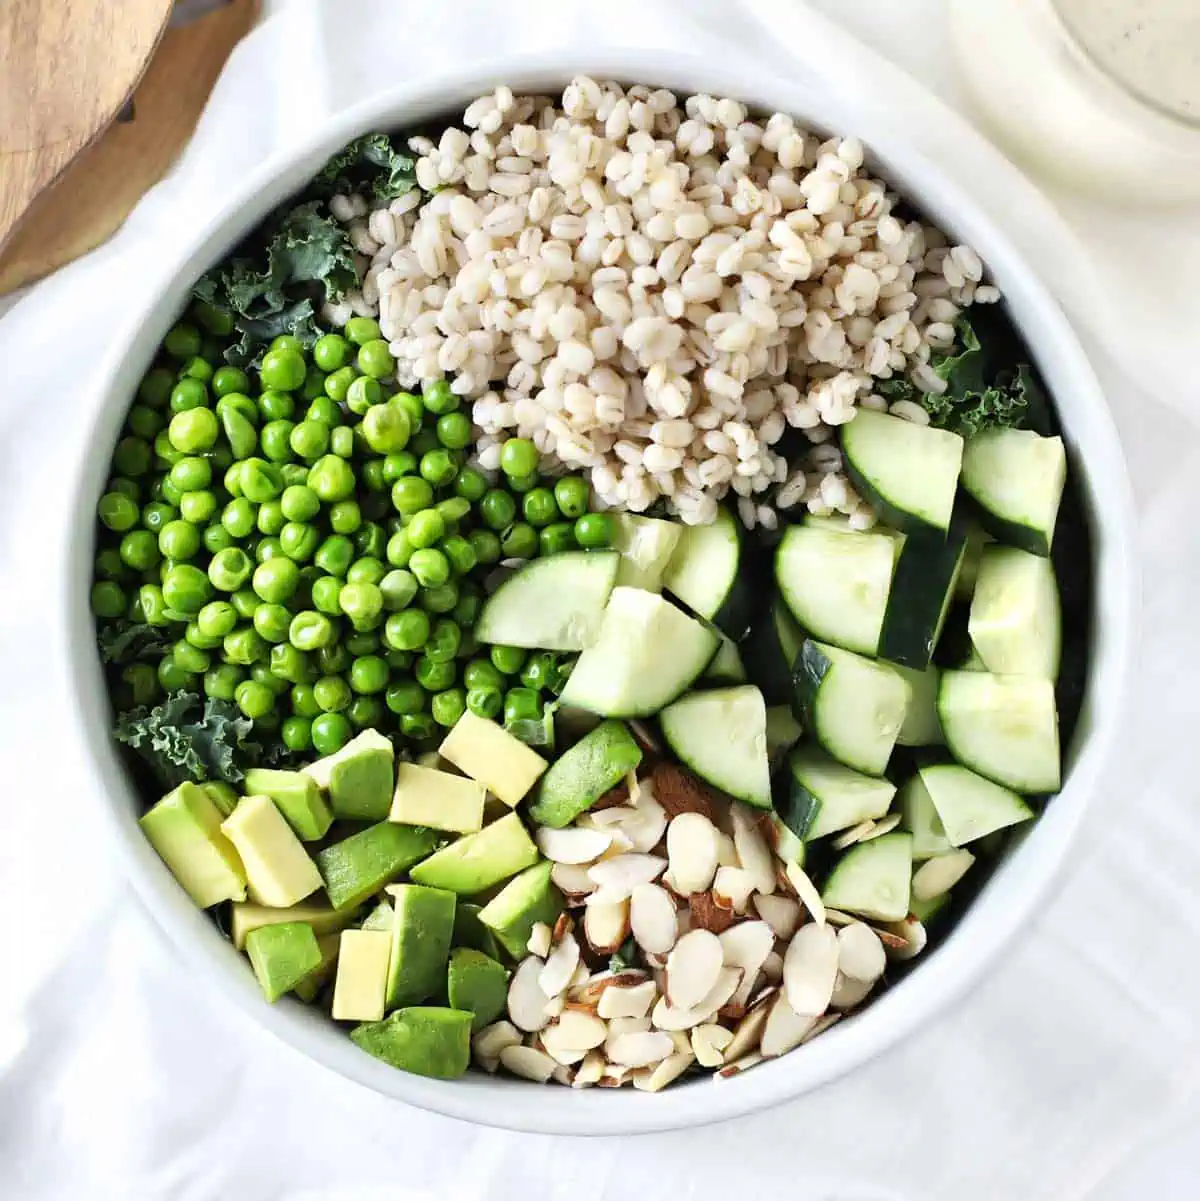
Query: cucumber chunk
point(552, 604)
point(873, 879)
point(920, 818)
point(783, 731)
point(920, 596)
point(1016, 617)
point(770, 653)
point(853, 706)
point(722, 736)
point(1016, 477)
point(1003, 727)
point(968, 806)
point(907, 472)
point(709, 573)
point(921, 726)
point(646, 545)
point(726, 667)
point(825, 796)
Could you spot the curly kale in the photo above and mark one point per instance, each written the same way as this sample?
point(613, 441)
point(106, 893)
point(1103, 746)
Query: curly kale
point(122, 642)
point(368, 164)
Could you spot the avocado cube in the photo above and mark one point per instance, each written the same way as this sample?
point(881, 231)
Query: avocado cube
point(477, 861)
point(248, 916)
point(580, 777)
point(477, 983)
point(424, 1039)
point(380, 918)
point(469, 931)
point(487, 752)
point(185, 829)
point(421, 934)
point(427, 797)
point(278, 869)
point(282, 955)
point(296, 796)
point(308, 988)
point(358, 778)
point(363, 863)
point(524, 901)
point(362, 975)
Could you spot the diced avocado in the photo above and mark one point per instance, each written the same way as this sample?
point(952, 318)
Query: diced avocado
point(185, 829)
point(363, 863)
point(296, 796)
point(575, 782)
point(223, 795)
point(421, 934)
point(248, 916)
point(524, 901)
point(477, 861)
point(358, 778)
point(308, 988)
point(424, 1039)
point(477, 983)
point(282, 955)
point(362, 975)
point(380, 918)
point(490, 754)
point(278, 869)
point(469, 931)
point(427, 797)
point(646, 545)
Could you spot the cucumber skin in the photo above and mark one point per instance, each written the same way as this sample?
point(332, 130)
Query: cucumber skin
point(927, 570)
point(765, 660)
point(898, 519)
point(808, 674)
point(741, 605)
point(797, 807)
point(1011, 533)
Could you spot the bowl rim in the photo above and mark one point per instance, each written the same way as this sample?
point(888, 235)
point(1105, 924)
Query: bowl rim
point(989, 923)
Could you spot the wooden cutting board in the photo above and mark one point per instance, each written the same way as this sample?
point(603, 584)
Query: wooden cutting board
point(69, 171)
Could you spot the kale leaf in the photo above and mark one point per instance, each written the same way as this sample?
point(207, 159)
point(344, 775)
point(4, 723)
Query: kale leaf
point(189, 738)
point(122, 642)
point(369, 163)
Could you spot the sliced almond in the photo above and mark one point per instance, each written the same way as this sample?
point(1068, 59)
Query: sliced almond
point(835, 917)
point(559, 967)
point(528, 1063)
point(555, 1006)
point(748, 1031)
point(563, 1075)
point(671, 1068)
point(848, 992)
point(784, 1029)
point(606, 926)
point(526, 1000)
point(910, 933)
point(575, 1031)
point(692, 852)
point(491, 1040)
point(607, 820)
point(940, 874)
point(781, 913)
point(678, 791)
point(540, 938)
point(572, 880)
point(708, 1044)
point(746, 946)
point(590, 1070)
point(892, 941)
point(752, 850)
point(823, 1024)
point(732, 888)
point(614, 1075)
point(683, 1044)
point(581, 975)
point(885, 825)
point(619, 876)
point(772, 968)
point(574, 844)
point(693, 966)
point(619, 1026)
point(564, 924)
point(810, 969)
point(806, 890)
point(847, 838)
point(632, 1002)
point(741, 1065)
point(727, 855)
point(671, 1017)
point(639, 1050)
point(652, 918)
point(564, 1056)
point(590, 992)
point(706, 914)
point(860, 953)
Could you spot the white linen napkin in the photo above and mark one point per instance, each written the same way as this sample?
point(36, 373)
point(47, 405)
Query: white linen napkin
point(1069, 1073)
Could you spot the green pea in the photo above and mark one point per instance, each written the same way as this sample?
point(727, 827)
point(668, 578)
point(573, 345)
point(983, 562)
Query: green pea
point(518, 457)
point(362, 603)
point(405, 697)
point(345, 517)
point(485, 702)
point(375, 359)
point(594, 531)
point(371, 474)
point(255, 700)
point(411, 494)
point(325, 410)
point(164, 453)
point(109, 565)
point(369, 674)
point(341, 442)
point(453, 510)
point(325, 592)
point(459, 551)
point(572, 495)
point(172, 677)
point(245, 646)
point(431, 567)
point(480, 673)
point(485, 545)
point(191, 658)
point(407, 630)
point(142, 682)
point(274, 438)
point(182, 341)
point(361, 330)
point(299, 503)
point(539, 507)
point(386, 428)
point(197, 368)
point(556, 538)
point(438, 467)
point(216, 619)
point(332, 694)
point(156, 515)
point(108, 599)
point(454, 430)
point(193, 430)
point(239, 517)
point(139, 550)
point(299, 541)
point(309, 439)
point(439, 599)
point(399, 588)
point(522, 704)
point(191, 473)
point(448, 706)
point(333, 659)
point(231, 481)
point(187, 394)
point(337, 383)
point(215, 538)
point(498, 509)
point(304, 704)
point(288, 663)
point(425, 528)
point(423, 442)
point(283, 369)
point(507, 659)
point(117, 512)
point(178, 540)
point(466, 612)
point(330, 352)
point(362, 394)
point(418, 726)
point(370, 540)
point(434, 675)
point(296, 733)
point(471, 484)
point(444, 641)
point(144, 421)
point(438, 397)
point(362, 642)
point(272, 622)
point(365, 711)
point(267, 548)
point(229, 379)
point(309, 631)
point(330, 732)
point(229, 569)
point(216, 320)
point(270, 519)
point(399, 549)
point(126, 487)
point(197, 637)
point(186, 589)
point(524, 483)
point(367, 570)
point(245, 601)
point(314, 384)
point(260, 480)
point(133, 455)
point(520, 541)
point(331, 479)
point(198, 506)
point(539, 671)
point(412, 405)
point(276, 580)
point(155, 388)
point(335, 555)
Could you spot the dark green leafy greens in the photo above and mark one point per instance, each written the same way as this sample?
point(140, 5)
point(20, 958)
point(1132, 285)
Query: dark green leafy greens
point(123, 642)
point(187, 737)
point(625, 956)
point(368, 164)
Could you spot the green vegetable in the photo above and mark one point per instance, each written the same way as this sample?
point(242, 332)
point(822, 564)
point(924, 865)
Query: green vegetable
point(370, 163)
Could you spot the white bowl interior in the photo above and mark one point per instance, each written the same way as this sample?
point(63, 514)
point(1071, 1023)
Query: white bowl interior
point(1016, 887)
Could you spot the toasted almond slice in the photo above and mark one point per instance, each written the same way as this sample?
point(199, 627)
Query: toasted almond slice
point(572, 880)
point(491, 1040)
point(564, 924)
point(528, 1063)
point(683, 1044)
point(555, 1006)
point(632, 1002)
point(560, 966)
point(810, 968)
point(590, 1070)
point(732, 888)
point(823, 1024)
point(639, 1050)
point(940, 874)
point(772, 967)
point(784, 1029)
point(860, 953)
point(738, 1066)
point(727, 855)
point(806, 890)
point(575, 1031)
point(708, 1044)
point(752, 850)
point(526, 1000)
point(693, 967)
point(706, 914)
point(646, 831)
point(692, 852)
point(563, 1075)
point(847, 838)
point(620, 1026)
point(581, 975)
point(564, 1056)
point(606, 926)
point(590, 991)
point(891, 941)
point(885, 825)
point(911, 935)
point(671, 1068)
point(848, 992)
point(619, 876)
point(614, 1076)
point(748, 1031)
point(540, 938)
point(574, 844)
point(781, 913)
point(608, 819)
point(652, 918)
point(835, 917)
point(746, 946)
point(634, 785)
point(671, 1017)
point(678, 791)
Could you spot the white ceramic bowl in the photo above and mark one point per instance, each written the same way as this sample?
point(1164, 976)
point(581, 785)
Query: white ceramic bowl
point(1015, 889)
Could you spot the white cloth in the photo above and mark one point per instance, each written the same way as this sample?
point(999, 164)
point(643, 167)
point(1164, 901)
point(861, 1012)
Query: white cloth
point(1070, 1072)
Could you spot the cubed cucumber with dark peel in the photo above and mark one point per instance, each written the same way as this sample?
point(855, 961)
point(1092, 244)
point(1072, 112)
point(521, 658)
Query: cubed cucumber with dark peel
point(282, 955)
point(477, 861)
point(873, 879)
point(296, 796)
point(422, 930)
point(1016, 479)
point(478, 984)
point(469, 931)
point(524, 901)
point(645, 545)
point(968, 806)
point(907, 472)
point(721, 734)
point(853, 706)
point(920, 818)
point(920, 726)
point(552, 604)
point(581, 776)
point(362, 864)
point(711, 573)
point(1016, 617)
point(427, 1040)
point(824, 796)
point(920, 597)
point(770, 652)
point(1003, 727)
